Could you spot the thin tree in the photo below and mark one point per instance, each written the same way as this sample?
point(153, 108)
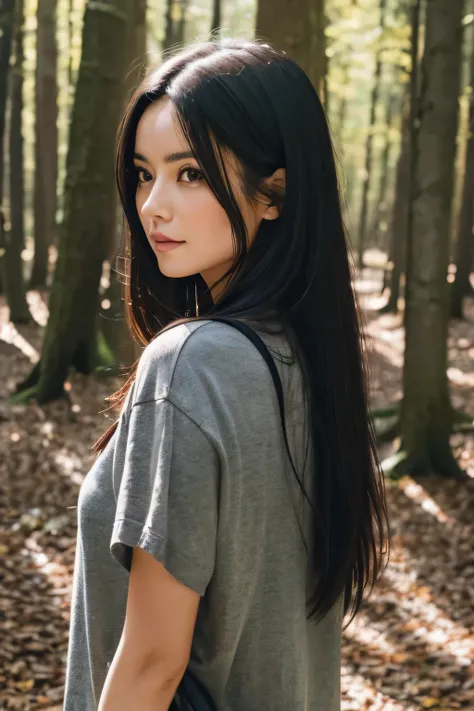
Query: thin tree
point(298, 28)
point(381, 206)
point(465, 240)
point(399, 219)
point(86, 233)
point(15, 236)
point(71, 42)
point(418, 21)
point(112, 314)
point(7, 8)
point(169, 38)
point(342, 108)
point(136, 62)
point(369, 143)
point(46, 143)
point(216, 18)
point(426, 413)
point(181, 23)
point(17, 180)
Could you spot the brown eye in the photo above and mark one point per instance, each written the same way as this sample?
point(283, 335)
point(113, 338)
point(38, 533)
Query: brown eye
point(143, 175)
point(194, 175)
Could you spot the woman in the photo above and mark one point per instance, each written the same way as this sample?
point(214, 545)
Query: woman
point(204, 541)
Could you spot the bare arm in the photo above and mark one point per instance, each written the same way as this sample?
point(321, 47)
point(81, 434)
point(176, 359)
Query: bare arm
point(156, 640)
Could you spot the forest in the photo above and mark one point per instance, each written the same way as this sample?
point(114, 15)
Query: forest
point(396, 80)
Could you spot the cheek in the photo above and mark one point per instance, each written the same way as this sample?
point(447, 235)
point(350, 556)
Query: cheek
point(139, 200)
point(208, 220)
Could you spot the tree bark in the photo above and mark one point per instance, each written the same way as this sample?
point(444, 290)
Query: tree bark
point(86, 234)
point(465, 240)
point(137, 42)
point(112, 322)
point(415, 119)
point(381, 206)
point(342, 108)
point(426, 415)
point(296, 27)
point(399, 221)
point(181, 24)
point(325, 79)
point(46, 144)
point(369, 144)
point(6, 36)
point(15, 236)
point(71, 39)
point(169, 38)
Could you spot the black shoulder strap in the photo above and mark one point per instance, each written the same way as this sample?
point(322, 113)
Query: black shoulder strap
point(260, 345)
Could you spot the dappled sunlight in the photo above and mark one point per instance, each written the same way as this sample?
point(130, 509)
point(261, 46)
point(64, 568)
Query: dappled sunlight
point(18, 336)
point(69, 464)
point(37, 303)
point(458, 377)
point(9, 334)
point(417, 493)
point(411, 645)
point(387, 349)
point(48, 564)
point(403, 646)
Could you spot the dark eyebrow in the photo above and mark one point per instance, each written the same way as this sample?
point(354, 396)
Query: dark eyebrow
point(171, 158)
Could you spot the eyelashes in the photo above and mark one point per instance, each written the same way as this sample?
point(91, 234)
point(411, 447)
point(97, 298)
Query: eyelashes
point(192, 170)
point(142, 172)
point(138, 171)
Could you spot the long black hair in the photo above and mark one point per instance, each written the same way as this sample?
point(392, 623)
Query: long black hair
point(248, 98)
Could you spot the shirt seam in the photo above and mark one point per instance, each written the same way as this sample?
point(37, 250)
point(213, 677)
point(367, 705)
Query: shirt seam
point(189, 334)
point(147, 530)
point(166, 398)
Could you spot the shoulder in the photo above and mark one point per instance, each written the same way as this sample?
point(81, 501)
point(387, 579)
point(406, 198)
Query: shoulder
point(192, 355)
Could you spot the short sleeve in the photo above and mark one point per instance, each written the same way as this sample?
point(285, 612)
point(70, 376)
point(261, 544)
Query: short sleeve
point(167, 496)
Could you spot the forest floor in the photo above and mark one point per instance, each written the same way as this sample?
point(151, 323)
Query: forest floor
point(410, 647)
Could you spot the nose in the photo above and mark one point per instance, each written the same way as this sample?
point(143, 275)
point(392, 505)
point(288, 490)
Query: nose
point(157, 203)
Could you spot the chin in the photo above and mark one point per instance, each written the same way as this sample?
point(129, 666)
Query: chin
point(173, 270)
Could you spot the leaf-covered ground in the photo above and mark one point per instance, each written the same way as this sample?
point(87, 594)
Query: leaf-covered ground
point(411, 646)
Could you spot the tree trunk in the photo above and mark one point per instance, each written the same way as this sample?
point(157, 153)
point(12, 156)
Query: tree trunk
point(17, 181)
point(181, 24)
point(46, 144)
point(381, 206)
point(112, 315)
point(71, 39)
point(138, 46)
point(465, 239)
point(426, 415)
point(216, 18)
point(350, 184)
point(399, 221)
point(113, 324)
point(86, 233)
point(369, 144)
point(296, 27)
point(15, 237)
point(342, 108)
point(169, 38)
point(325, 79)
point(341, 118)
point(7, 8)
point(415, 119)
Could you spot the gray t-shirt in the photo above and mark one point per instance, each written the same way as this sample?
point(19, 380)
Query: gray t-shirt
point(197, 474)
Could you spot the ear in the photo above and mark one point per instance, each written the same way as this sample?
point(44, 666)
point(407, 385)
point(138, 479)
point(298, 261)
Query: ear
point(277, 182)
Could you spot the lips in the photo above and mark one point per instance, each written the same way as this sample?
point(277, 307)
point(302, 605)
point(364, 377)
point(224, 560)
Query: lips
point(161, 238)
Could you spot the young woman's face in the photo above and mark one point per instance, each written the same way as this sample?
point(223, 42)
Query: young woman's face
point(173, 199)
